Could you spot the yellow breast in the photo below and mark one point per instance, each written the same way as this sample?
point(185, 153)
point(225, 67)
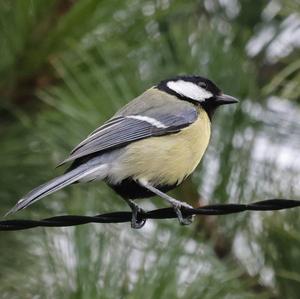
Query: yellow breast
point(167, 159)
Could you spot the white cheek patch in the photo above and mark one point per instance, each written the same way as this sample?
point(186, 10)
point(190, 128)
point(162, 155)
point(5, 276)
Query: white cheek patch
point(189, 90)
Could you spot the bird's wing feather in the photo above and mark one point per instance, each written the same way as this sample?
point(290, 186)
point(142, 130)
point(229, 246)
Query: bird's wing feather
point(124, 129)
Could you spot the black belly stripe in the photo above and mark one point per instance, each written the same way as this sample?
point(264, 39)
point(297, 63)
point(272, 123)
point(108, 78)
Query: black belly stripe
point(130, 189)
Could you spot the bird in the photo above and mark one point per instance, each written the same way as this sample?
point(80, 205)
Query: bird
point(149, 147)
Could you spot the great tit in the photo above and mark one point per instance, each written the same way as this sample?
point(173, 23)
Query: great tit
point(148, 147)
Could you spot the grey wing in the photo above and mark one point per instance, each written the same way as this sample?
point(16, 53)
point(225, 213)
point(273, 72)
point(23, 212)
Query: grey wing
point(122, 130)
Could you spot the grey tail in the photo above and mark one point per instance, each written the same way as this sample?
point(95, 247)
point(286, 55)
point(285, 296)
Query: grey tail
point(57, 184)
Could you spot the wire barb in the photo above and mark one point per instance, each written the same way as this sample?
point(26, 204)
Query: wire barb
point(166, 213)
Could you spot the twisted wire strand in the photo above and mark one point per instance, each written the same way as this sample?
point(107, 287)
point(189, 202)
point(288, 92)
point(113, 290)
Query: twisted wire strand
point(165, 213)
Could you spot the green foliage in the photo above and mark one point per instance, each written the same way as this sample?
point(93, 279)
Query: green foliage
point(286, 83)
point(82, 61)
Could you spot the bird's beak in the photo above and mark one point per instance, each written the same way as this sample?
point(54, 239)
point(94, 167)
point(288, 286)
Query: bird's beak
point(224, 99)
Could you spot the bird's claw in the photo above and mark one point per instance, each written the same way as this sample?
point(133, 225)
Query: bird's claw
point(135, 223)
point(182, 220)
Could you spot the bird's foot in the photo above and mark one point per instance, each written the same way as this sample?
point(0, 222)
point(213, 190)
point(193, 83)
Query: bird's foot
point(183, 220)
point(177, 205)
point(135, 223)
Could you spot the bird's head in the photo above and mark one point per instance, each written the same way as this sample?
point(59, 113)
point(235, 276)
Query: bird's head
point(197, 90)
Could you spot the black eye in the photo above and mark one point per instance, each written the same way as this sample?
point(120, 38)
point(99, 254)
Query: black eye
point(202, 85)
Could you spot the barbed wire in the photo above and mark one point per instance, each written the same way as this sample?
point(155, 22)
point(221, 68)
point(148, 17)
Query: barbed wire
point(165, 213)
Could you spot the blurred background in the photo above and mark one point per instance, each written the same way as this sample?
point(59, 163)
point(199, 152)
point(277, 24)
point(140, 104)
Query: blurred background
point(66, 66)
